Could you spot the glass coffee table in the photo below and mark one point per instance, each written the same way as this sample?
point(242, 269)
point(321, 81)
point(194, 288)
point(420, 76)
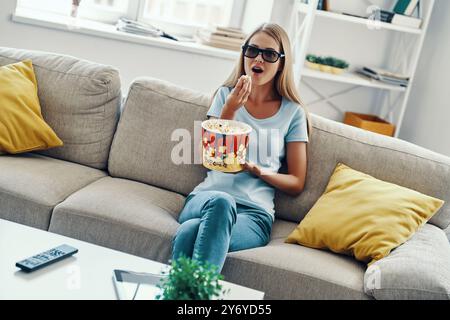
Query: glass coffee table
point(86, 275)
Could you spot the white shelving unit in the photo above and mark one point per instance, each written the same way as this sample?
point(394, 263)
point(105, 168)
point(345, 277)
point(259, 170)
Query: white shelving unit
point(404, 58)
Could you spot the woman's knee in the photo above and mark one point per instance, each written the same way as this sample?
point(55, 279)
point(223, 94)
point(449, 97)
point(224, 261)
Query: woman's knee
point(187, 232)
point(220, 196)
point(223, 205)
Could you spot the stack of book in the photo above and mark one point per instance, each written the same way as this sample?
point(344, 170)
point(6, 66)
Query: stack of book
point(141, 29)
point(402, 14)
point(222, 37)
point(384, 76)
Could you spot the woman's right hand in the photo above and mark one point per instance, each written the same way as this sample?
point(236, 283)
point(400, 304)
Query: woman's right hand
point(239, 95)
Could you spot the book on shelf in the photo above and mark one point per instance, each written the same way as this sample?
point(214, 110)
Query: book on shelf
point(229, 32)
point(138, 28)
point(406, 21)
point(387, 73)
point(400, 20)
point(222, 37)
point(219, 44)
point(141, 29)
point(386, 16)
point(406, 7)
point(419, 11)
point(384, 76)
point(353, 15)
point(321, 5)
point(213, 36)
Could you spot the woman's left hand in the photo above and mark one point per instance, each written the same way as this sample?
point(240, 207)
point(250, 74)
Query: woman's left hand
point(252, 168)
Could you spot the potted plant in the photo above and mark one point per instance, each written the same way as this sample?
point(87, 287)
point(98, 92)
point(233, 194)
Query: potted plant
point(326, 64)
point(191, 279)
point(338, 66)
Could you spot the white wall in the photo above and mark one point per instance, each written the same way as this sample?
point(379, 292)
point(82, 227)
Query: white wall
point(257, 11)
point(426, 118)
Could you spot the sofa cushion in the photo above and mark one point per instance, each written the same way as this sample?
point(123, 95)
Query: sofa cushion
point(417, 270)
point(286, 271)
point(31, 185)
point(79, 100)
point(363, 217)
point(121, 214)
point(142, 145)
point(22, 127)
point(142, 150)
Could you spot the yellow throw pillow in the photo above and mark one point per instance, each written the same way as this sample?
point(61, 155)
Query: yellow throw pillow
point(22, 127)
point(362, 216)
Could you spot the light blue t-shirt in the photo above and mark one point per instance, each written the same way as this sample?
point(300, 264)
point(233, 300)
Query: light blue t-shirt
point(266, 148)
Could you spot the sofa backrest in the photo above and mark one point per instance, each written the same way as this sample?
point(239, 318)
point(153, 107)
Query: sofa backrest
point(383, 157)
point(142, 146)
point(154, 109)
point(80, 100)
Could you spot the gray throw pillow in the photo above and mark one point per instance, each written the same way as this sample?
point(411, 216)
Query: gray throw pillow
point(418, 270)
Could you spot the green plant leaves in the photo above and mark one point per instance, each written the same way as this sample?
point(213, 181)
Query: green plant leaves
point(329, 61)
point(191, 279)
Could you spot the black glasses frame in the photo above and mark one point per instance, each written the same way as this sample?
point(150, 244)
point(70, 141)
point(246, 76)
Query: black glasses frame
point(279, 55)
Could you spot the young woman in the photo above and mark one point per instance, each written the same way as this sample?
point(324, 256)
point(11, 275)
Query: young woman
point(230, 212)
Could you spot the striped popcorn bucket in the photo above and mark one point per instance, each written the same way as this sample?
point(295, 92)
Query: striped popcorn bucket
point(224, 144)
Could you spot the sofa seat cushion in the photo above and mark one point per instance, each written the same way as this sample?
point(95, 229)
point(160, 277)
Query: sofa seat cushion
point(286, 271)
point(317, 274)
point(121, 214)
point(31, 185)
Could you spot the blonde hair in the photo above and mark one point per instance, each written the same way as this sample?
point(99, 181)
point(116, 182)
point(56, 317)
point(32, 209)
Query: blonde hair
point(284, 82)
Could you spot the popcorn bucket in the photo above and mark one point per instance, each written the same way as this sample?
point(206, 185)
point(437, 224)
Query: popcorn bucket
point(224, 144)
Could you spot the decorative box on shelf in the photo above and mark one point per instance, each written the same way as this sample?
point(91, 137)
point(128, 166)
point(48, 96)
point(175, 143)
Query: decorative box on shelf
point(370, 123)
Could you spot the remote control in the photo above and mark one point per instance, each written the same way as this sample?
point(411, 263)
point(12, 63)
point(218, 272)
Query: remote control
point(46, 258)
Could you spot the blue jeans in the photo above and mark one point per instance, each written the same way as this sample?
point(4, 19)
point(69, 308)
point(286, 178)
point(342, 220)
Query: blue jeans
point(212, 224)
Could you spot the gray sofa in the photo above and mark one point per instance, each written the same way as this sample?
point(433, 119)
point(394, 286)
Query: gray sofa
point(113, 182)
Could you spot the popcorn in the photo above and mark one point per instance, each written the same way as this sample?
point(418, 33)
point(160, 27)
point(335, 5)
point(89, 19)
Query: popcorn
point(246, 78)
point(225, 126)
point(210, 152)
point(229, 160)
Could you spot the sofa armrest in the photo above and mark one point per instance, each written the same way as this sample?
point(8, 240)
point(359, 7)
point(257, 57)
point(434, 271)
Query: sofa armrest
point(419, 269)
